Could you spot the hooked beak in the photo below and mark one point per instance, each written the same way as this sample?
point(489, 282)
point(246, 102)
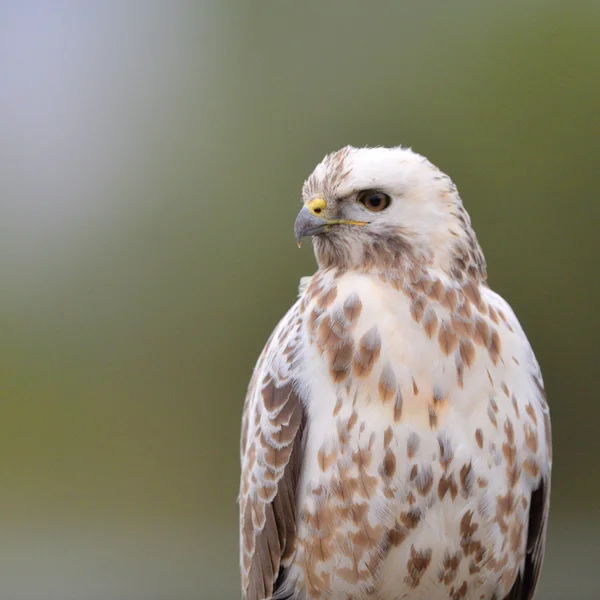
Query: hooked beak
point(310, 220)
point(308, 224)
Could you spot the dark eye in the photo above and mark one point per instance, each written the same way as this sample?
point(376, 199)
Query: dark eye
point(374, 201)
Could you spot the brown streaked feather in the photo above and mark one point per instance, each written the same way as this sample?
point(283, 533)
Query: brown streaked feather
point(527, 580)
point(271, 462)
point(539, 508)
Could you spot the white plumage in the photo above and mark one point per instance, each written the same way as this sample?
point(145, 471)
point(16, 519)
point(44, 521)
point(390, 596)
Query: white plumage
point(396, 438)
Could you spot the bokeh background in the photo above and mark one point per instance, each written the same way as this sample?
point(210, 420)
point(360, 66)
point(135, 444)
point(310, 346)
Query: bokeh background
point(151, 160)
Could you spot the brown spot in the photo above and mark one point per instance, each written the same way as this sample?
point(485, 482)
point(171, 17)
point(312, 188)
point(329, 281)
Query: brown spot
point(531, 467)
point(515, 406)
point(481, 335)
point(339, 324)
point(494, 347)
point(468, 542)
point(433, 418)
point(471, 291)
point(387, 384)
point(417, 308)
point(342, 432)
point(327, 337)
point(389, 464)
point(410, 519)
point(388, 436)
point(463, 327)
point(450, 300)
point(531, 412)
point(447, 338)
point(446, 451)
point(516, 532)
point(352, 307)
point(424, 480)
point(352, 420)
point(464, 310)
point(416, 273)
point(430, 322)
point(338, 406)
point(315, 313)
point(531, 438)
point(366, 536)
point(414, 471)
point(417, 565)
point(398, 407)
point(467, 351)
point(504, 507)
point(437, 291)
point(509, 432)
point(423, 285)
point(342, 488)
point(467, 477)
point(438, 395)
point(494, 315)
point(327, 298)
point(479, 437)
point(450, 566)
point(339, 361)
point(460, 593)
point(447, 484)
point(397, 535)
point(369, 349)
point(315, 282)
point(326, 459)
point(415, 388)
point(513, 474)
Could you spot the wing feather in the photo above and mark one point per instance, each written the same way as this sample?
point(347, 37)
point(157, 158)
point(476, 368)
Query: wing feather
point(539, 501)
point(271, 449)
point(539, 508)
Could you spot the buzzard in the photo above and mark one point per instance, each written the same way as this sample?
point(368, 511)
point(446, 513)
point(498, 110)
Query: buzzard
point(396, 437)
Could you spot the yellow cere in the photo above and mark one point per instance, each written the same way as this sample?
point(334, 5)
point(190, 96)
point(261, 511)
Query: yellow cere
point(316, 206)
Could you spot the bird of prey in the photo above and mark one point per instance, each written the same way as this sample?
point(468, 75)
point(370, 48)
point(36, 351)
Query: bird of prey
point(396, 437)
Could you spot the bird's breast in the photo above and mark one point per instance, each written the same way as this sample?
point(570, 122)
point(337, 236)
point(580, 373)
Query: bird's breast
point(403, 350)
point(396, 381)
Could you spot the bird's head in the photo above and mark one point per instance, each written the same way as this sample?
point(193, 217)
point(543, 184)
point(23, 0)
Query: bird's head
point(385, 209)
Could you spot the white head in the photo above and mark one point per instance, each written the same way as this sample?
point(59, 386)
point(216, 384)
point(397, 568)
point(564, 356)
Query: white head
point(387, 208)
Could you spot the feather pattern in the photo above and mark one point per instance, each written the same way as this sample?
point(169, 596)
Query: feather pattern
point(273, 425)
point(396, 438)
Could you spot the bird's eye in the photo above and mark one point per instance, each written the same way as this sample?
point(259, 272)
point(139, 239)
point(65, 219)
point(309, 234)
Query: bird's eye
point(374, 201)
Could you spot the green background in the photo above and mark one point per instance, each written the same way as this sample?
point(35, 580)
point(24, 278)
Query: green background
point(151, 161)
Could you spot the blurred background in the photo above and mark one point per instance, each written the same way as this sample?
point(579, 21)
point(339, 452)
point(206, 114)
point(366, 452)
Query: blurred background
point(151, 161)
